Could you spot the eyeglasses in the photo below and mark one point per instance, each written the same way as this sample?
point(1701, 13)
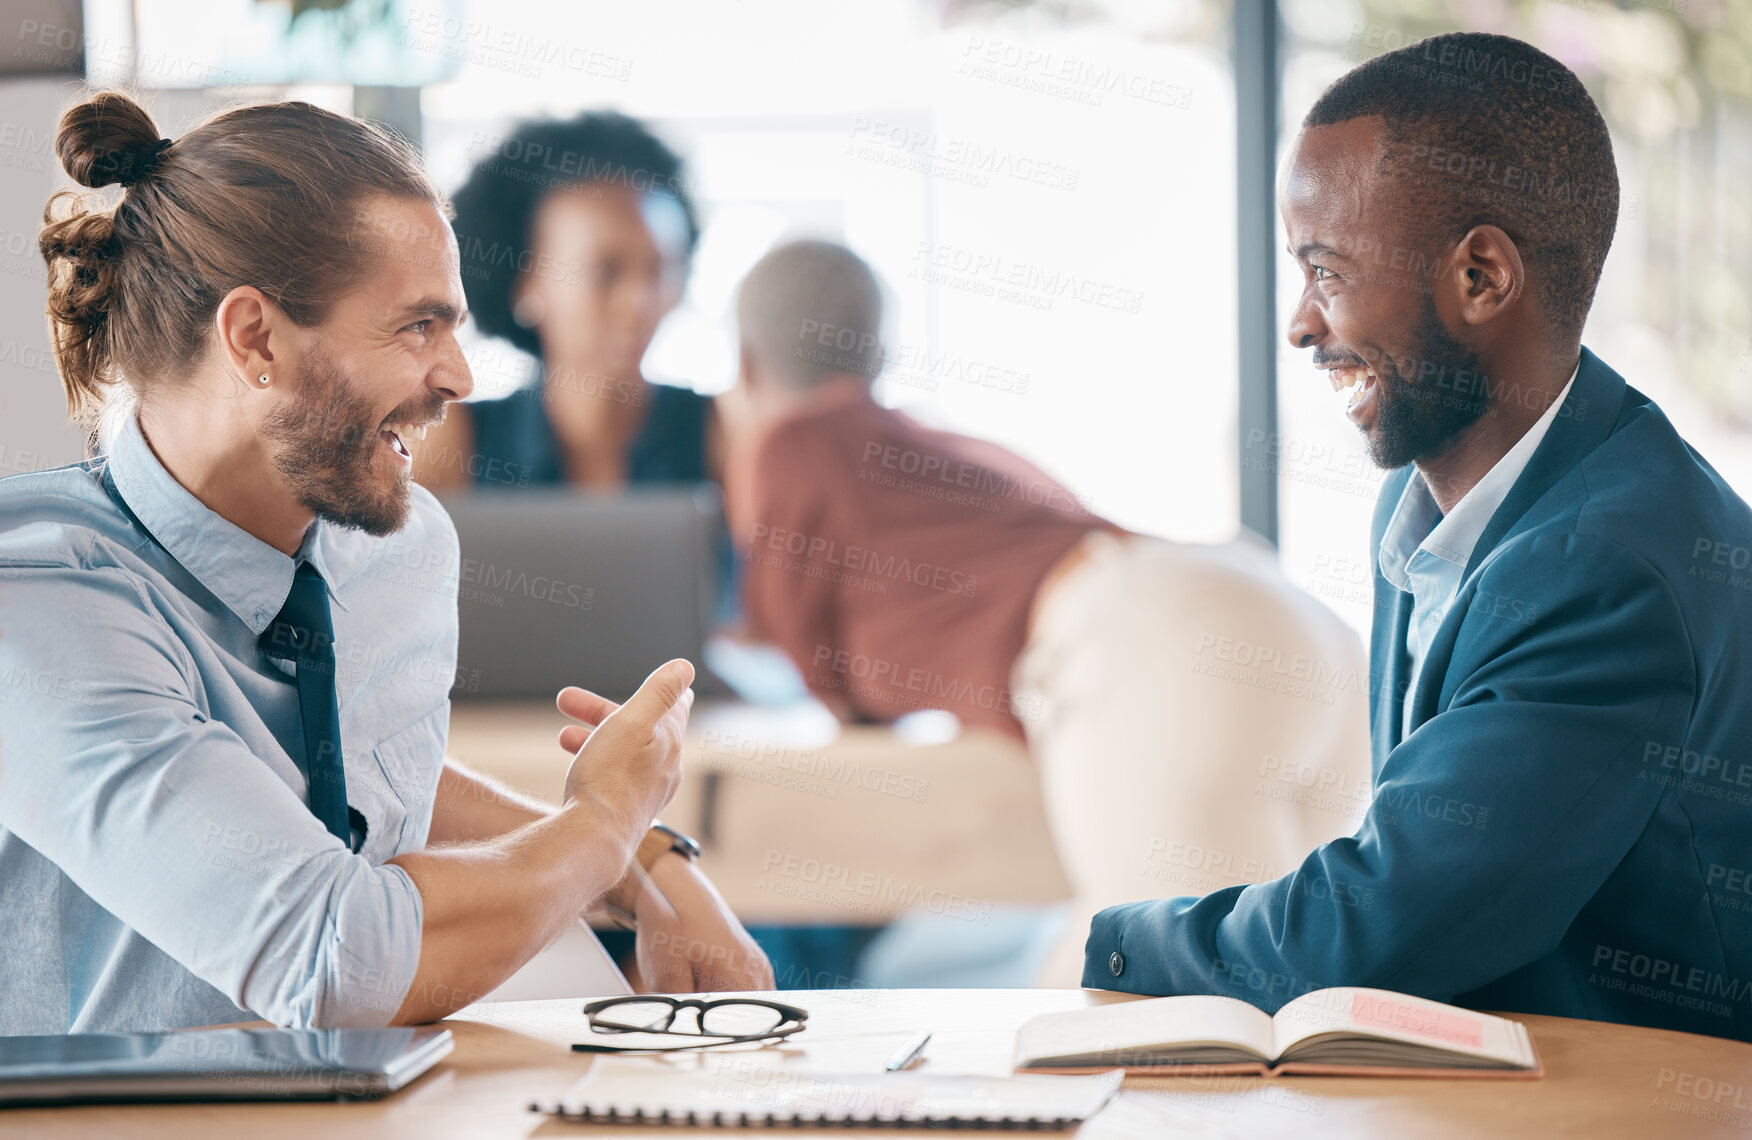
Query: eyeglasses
point(729, 1021)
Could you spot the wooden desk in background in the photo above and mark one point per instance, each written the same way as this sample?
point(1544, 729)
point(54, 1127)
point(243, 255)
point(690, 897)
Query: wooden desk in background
point(804, 820)
point(1602, 1081)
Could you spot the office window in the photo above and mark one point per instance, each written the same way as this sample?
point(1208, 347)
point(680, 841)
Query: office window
point(1047, 191)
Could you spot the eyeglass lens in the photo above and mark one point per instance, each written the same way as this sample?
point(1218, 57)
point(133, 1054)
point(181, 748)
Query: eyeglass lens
point(733, 1019)
point(740, 1019)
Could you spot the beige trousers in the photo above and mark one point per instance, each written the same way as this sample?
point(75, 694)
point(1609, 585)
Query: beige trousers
point(1198, 722)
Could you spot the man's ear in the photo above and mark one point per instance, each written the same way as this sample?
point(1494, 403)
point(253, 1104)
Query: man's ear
point(252, 333)
point(1487, 274)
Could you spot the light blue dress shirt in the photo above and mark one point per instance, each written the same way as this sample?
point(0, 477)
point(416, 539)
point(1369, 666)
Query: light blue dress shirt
point(1425, 552)
point(159, 867)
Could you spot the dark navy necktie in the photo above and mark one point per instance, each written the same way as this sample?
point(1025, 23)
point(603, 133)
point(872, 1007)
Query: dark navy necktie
point(304, 634)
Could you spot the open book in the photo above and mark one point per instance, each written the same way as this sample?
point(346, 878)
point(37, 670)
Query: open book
point(1341, 1030)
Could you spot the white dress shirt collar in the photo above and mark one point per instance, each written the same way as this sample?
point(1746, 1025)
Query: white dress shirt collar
point(1418, 524)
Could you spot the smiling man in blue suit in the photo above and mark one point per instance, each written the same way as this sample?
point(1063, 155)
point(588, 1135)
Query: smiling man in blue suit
point(1562, 734)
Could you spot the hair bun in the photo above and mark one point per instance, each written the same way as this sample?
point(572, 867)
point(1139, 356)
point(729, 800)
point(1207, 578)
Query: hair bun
point(108, 138)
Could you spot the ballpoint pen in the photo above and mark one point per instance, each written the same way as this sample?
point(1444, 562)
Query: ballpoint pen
point(909, 1052)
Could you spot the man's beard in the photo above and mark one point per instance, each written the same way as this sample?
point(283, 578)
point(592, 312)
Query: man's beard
point(324, 445)
point(1422, 418)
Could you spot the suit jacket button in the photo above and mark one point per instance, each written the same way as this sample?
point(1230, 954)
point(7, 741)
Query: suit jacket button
point(1116, 963)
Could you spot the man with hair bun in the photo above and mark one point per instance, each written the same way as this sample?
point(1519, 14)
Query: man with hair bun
point(1562, 743)
point(226, 795)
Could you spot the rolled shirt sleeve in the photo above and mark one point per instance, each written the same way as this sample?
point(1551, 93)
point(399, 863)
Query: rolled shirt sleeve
point(1493, 824)
point(165, 819)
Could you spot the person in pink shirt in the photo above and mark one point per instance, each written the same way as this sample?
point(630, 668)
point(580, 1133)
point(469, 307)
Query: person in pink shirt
point(1196, 719)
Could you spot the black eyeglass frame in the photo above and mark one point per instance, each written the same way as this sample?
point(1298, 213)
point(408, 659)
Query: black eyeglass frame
point(789, 1013)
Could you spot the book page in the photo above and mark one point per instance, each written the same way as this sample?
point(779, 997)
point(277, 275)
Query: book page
point(1143, 1032)
point(1386, 1016)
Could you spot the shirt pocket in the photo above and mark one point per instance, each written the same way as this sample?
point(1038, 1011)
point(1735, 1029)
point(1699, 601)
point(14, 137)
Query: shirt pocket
point(410, 761)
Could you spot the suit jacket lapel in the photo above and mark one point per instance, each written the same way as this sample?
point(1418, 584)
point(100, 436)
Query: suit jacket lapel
point(1587, 417)
point(1389, 665)
point(1394, 698)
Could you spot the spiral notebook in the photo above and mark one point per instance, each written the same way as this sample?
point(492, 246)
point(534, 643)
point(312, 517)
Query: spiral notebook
point(630, 1091)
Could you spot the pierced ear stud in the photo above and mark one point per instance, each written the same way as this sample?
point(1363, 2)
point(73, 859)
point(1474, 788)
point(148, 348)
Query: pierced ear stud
point(262, 379)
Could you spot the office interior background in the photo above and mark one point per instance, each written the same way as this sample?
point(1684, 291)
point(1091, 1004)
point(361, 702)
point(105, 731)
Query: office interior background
point(1049, 191)
point(1085, 150)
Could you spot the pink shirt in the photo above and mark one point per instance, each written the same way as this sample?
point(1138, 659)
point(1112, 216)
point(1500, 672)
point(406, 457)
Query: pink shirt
point(896, 564)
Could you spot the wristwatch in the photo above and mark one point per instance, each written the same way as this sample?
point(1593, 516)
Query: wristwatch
point(658, 842)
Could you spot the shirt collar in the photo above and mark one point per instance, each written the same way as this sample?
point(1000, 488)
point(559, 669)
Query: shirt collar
point(1419, 525)
point(1413, 520)
point(249, 576)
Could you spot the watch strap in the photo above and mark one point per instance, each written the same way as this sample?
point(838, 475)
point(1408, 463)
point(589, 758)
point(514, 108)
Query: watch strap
point(659, 841)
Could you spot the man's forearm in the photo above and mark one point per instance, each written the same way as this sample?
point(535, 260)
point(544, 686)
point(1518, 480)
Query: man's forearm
point(491, 905)
point(470, 807)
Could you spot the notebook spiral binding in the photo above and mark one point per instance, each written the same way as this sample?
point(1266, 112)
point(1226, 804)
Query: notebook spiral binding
point(771, 1120)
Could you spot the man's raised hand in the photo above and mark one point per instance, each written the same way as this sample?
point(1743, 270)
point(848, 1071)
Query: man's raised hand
point(628, 757)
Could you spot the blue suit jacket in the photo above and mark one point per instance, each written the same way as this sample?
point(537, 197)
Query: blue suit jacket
point(1567, 828)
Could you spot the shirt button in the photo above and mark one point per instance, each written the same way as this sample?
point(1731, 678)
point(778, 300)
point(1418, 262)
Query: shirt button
point(1116, 963)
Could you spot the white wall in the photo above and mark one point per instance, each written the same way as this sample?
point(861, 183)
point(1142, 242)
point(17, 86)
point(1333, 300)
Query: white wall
point(33, 422)
point(34, 432)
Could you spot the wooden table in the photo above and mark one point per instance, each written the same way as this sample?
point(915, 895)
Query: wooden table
point(1602, 1081)
point(806, 820)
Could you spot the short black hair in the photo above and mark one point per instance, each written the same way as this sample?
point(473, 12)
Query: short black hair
point(495, 208)
point(1487, 130)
